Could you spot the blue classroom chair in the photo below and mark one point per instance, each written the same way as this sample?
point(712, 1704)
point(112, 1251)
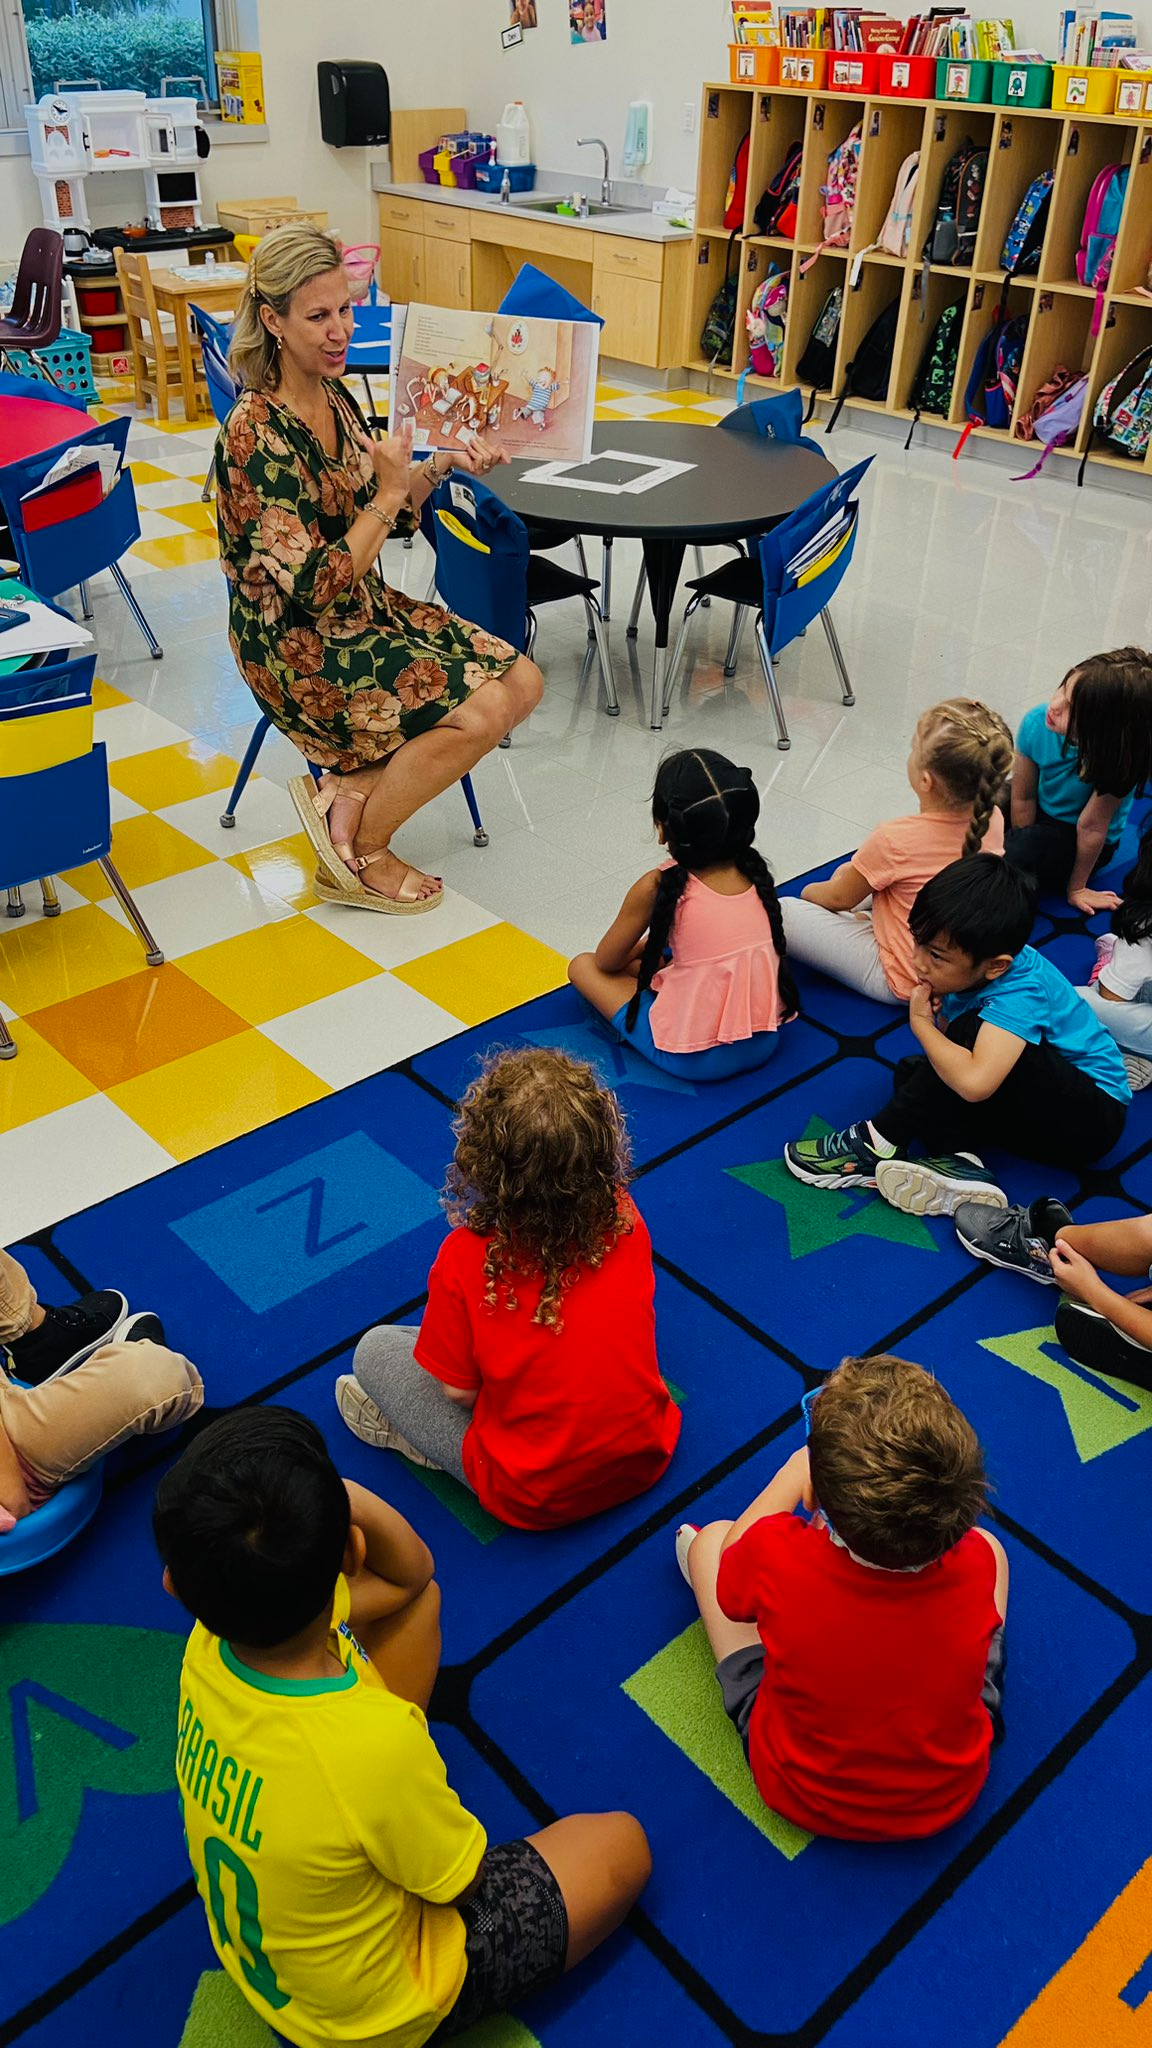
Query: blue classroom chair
point(39, 1536)
point(787, 601)
point(260, 732)
point(62, 557)
point(536, 296)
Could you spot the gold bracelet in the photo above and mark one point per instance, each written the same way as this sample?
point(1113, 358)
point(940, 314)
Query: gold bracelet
point(387, 519)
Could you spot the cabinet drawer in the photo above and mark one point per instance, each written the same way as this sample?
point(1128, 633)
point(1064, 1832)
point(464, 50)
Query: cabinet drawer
point(630, 309)
point(402, 213)
point(447, 223)
point(629, 259)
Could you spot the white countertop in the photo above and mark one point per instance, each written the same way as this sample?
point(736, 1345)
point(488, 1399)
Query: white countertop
point(638, 227)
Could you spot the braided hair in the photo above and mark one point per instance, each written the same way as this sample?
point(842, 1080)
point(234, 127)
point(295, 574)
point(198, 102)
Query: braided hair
point(969, 750)
point(708, 809)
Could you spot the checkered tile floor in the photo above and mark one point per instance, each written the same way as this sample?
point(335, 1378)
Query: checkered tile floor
point(267, 1000)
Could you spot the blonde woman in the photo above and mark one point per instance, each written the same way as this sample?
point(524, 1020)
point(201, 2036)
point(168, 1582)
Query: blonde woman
point(395, 699)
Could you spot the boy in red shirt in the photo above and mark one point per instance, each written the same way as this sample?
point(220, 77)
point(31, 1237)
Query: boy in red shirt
point(860, 1653)
point(533, 1376)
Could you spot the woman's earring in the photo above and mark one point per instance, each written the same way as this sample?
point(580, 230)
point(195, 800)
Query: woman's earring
point(279, 340)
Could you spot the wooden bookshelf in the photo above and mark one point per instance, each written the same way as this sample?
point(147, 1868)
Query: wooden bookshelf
point(1021, 142)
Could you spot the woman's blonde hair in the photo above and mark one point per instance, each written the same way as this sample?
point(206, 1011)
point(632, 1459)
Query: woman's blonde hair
point(287, 258)
point(969, 750)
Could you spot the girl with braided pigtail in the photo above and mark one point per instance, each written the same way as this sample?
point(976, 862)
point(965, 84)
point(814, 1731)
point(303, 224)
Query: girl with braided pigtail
point(958, 768)
point(693, 973)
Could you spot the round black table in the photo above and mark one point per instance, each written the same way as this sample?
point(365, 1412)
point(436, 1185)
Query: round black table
point(739, 484)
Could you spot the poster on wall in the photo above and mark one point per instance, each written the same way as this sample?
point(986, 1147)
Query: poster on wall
point(588, 20)
point(530, 384)
point(522, 14)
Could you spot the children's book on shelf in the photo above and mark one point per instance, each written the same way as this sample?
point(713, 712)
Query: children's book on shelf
point(1092, 36)
point(754, 25)
point(530, 384)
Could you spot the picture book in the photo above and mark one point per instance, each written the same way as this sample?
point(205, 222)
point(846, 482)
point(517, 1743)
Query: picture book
point(529, 384)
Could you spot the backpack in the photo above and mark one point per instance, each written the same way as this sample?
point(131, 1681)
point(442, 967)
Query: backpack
point(1042, 400)
point(1059, 415)
point(1099, 231)
point(952, 236)
point(932, 390)
point(869, 372)
point(839, 195)
point(991, 391)
point(765, 318)
point(736, 197)
point(896, 232)
point(776, 212)
point(719, 330)
point(819, 358)
point(1020, 256)
point(1123, 411)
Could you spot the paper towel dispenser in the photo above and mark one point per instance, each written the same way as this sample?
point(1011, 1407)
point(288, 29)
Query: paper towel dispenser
point(355, 108)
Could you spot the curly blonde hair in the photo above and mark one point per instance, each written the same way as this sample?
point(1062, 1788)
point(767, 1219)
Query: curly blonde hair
point(542, 1161)
point(281, 262)
point(969, 750)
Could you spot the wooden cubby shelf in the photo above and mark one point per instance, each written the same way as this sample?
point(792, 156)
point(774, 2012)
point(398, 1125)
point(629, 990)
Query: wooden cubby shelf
point(1022, 142)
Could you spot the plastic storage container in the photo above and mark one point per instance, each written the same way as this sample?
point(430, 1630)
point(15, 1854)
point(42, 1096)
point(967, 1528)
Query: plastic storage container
point(68, 359)
point(804, 70)
point(906, 78)
point(963, 78)
point(1021, 85)
point(1134, 92)
point(490, 177)
point(753, 64)
point(513, 135)
point(852, 70)
point(1082, 89)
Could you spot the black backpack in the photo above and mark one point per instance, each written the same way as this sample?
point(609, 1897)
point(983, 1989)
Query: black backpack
point(870, 370)
point(819, 358)
point(932, 389)
point(952, 236)
point(718, 333)
point(776, 212)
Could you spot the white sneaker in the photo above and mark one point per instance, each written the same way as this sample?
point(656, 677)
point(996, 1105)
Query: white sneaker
point(365, 1420)
point(937, 1187)
point(686, 1536)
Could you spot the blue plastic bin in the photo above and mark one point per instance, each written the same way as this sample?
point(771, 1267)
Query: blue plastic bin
point(490, 177)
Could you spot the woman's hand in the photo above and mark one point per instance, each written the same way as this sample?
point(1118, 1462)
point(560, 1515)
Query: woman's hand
point(480, 454)
point(391, 461)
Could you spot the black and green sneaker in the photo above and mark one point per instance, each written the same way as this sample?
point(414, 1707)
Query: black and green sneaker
point(937, 1187)
point(840, 1159)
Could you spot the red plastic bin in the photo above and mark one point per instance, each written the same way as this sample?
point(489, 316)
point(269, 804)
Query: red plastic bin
point(97, 299)
point(852, 71)
point(906, 78)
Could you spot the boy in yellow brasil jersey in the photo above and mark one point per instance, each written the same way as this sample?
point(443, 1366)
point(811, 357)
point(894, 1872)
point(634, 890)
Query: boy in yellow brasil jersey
point(350, 1895)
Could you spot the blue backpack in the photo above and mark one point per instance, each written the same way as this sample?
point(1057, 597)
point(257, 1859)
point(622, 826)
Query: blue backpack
point(1020, 256)
point(991, 391)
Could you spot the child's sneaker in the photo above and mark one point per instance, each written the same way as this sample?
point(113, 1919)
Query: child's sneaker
point(841, 1159)
point(365, 1420)
point(1017, 1239)
point(1139, 1072)
point(686, 1536)
point(937, 1187)
point(1093, 1341)
point(1105, 947)
point(66, 1337)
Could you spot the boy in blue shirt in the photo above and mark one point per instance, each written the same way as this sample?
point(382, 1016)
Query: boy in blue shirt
point(1012, 1056)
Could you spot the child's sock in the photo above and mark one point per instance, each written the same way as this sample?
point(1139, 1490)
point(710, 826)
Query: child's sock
point(880, 1145)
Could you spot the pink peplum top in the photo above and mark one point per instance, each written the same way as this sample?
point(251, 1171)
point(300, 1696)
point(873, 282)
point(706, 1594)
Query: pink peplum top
point(722, 982)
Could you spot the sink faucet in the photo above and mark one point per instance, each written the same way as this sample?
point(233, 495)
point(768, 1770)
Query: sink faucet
point(598, 142)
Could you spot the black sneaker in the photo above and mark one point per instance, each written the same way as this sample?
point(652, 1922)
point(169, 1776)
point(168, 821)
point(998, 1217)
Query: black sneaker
point(840, 1159)
point(1092, 1340)
point(937, 1187)
point(1017, 1239)
point(66, 1337)
point(141, 1328)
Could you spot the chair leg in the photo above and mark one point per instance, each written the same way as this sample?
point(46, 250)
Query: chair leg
point(152, 953)
point(126, 591)
point(48, 896)
point(734, 638)
point(15, 904)
point(581, 557)
point(8, 1047)
point(479, 835)
point(206, 493)
point(782, 739)
point(677, 657)
point(85, 601)
point(596, 627)
point(606, 581)
point(699, 554)
point(228, 817)
point(637, 601)
point(837, 656)
point(430, 593)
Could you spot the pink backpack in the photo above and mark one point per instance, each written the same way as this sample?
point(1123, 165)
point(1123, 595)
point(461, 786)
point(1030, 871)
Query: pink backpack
point(1099, 231)
point(839, 195)
point(896, 232)
point(1059, 422)
point(765, 321)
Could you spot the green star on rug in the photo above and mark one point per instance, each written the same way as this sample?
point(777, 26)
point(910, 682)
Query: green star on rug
point(1102, 1413)
point(816, 1218)
point(221, 2017)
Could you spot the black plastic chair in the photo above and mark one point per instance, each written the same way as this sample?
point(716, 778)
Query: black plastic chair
point(36, 314)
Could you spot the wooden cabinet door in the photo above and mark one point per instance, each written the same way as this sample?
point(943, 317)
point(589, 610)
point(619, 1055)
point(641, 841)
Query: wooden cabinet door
point(630, 310)
point(402, 268)
point(447, 273)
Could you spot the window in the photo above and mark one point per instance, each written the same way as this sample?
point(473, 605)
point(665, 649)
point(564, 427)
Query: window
point(119, 43)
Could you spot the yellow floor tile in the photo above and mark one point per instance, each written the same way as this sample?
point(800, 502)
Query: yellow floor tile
point(217, 1094)
point(144, 849)
point(177, 550)
point(264, 974)
point(485, 975)
point(687, 416)
point(46, 959)
point(104, 696)
point(682, 397)
point(198, 518)
point(37, 1081)
point(172, 775)
point(284, 867)
point(177, 426)
point(147, 473)
point(144, 1021)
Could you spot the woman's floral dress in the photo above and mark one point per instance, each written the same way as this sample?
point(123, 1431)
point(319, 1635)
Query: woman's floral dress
point(349, 670)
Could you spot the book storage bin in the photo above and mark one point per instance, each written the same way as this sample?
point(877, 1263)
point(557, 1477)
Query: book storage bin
point(1021, 85)
point(753, 64)
point(1134, 92)
point(1084, 91)
point(963, 78)
point(908, 78)
point(852, 71)
point(804, 70)
point(1055, 310)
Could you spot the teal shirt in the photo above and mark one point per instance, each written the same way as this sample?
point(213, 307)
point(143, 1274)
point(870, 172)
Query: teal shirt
point(1034, 1002)
point(1062, 793)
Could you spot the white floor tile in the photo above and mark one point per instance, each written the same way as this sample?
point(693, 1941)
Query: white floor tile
point(175, 491)
point(266, 812)
point(64, 1162)
point(202, 907)
point(122, 806)
point(347, 1036)
point(133, 729)
point(394, 941)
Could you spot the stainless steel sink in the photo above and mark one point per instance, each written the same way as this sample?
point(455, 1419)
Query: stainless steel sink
point(596, 207)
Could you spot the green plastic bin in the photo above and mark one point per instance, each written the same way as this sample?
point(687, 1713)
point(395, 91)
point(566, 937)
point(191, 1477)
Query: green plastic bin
point(963, 78)
point(1021, 85)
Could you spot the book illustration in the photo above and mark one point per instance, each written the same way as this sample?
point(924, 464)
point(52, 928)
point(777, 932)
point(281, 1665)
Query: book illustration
point(459, 374)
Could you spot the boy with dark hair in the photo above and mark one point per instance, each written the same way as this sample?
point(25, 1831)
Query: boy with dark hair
point(350, 1895)
point(860, 1652)
point(1012, 1056)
